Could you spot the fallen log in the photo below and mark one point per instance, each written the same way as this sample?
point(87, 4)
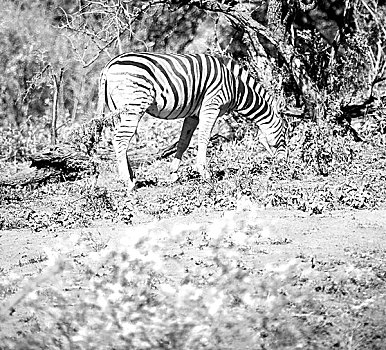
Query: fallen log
point(66, 163)
point(60, 163)
point(82, 156)
point(28, 177)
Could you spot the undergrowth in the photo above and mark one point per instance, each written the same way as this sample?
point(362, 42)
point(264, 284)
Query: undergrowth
point(326, 170)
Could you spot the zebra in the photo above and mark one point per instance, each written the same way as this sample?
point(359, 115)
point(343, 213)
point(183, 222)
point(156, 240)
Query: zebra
point(197, 87)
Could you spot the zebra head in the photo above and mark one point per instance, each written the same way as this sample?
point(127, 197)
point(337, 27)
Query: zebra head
point(255, 103)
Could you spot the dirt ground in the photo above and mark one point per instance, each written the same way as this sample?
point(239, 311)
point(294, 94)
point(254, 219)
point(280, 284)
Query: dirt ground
point(292, 235)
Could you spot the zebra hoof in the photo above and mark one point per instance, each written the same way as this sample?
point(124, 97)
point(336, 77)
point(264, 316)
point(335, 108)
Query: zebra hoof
point(205, 175)
point(173, 177)
point(175, 165)
point(131, 186)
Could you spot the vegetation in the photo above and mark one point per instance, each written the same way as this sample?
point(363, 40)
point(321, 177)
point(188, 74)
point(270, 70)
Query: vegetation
point(324, 61)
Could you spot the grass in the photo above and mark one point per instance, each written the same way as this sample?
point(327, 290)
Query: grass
point(339, 174)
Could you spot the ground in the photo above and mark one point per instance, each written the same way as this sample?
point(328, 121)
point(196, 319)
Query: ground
point(325, 242)
point(262, 257)
point(293, 235)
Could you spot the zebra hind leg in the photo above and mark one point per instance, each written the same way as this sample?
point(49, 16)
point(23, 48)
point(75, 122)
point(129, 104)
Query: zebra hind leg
point(132, 97)
point(188, 128)
point(123, 135)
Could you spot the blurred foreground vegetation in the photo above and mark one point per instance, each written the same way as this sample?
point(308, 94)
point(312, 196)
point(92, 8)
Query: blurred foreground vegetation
point(193, 287)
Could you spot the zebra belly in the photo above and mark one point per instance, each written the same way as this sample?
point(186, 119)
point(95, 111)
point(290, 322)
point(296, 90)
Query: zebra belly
point(172, 109)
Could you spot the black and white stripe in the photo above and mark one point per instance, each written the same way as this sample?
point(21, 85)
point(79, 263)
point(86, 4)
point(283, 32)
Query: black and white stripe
point(198, 88)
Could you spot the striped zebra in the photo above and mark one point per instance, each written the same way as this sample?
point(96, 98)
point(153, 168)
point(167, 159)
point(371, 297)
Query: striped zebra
point(199, 88)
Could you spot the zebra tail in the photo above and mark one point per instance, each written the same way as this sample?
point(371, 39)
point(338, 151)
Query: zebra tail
point(102, 94)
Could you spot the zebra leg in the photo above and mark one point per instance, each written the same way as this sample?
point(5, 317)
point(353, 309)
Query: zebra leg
point(131, 100)
point(123, 135)
point(190, 124)
point(207, 119)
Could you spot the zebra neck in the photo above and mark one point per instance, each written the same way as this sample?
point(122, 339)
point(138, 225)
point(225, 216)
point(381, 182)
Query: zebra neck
point(251, 104)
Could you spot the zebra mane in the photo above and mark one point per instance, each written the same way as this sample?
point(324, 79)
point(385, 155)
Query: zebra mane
point(248, 79)
point(240, 72)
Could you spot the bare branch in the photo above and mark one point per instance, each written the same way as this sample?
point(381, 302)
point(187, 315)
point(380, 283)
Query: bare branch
point(57, 80)
point(373, 13)
point(35, 79)
point(115, 24)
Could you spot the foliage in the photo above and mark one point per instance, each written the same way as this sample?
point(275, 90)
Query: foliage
point(29, 138)
point(324, 172)
point(33, 52)
point(139, 25)
point(322, 147)
point(27, 50)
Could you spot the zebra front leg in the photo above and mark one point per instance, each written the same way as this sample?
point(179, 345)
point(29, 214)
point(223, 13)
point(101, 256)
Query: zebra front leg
point(123, 135)
point(207, 119)
point(188, 127)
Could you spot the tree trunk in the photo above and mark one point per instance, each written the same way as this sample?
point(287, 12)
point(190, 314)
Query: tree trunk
point(286, 52)
point(57, 84)
point(76, 100)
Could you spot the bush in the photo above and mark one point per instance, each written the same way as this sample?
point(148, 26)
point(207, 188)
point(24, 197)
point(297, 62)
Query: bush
point(17, 144)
